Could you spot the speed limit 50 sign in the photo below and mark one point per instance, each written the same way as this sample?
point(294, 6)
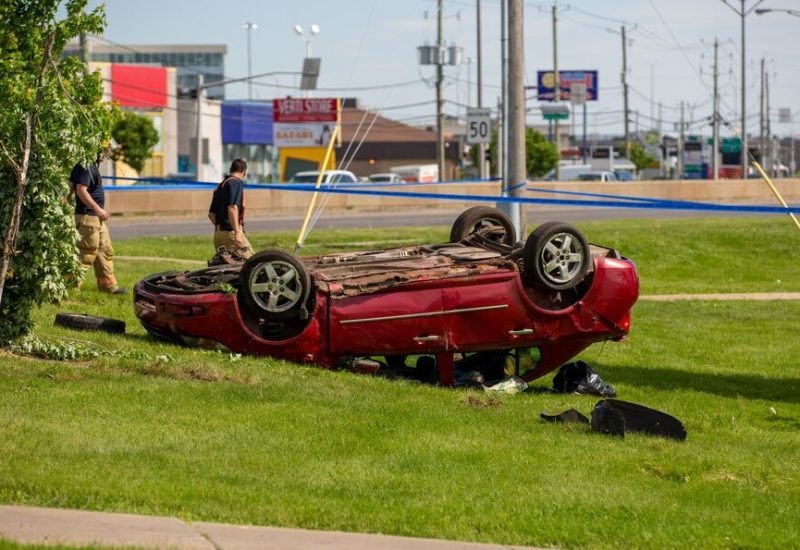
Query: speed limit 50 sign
point(479, 125)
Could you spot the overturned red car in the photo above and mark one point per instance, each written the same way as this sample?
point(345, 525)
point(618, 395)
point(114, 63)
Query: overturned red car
point(442, 306)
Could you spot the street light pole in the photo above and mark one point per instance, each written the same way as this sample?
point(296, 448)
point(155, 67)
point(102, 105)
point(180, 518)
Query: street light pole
point(743, 13)
point(250, 27)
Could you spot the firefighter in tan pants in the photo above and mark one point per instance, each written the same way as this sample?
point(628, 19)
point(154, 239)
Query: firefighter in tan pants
point(91, 220)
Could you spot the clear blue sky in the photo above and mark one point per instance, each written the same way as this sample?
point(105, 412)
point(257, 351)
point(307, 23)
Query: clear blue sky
point(366, 43)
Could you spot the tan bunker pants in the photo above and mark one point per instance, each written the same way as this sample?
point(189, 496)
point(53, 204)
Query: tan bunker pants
point(96, 251)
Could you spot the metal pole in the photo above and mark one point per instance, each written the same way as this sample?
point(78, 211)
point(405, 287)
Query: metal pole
point(744, 103)
point(715, 120)
point(517, 172)
point(769, 149)
point(761, 118)
point(584, 150)
point(482, 171)
point(198, 130)
point(249, 63)
point(680, 146)
point(556, 89)
point(625, 93)
point(439, 102)
point(504, 89)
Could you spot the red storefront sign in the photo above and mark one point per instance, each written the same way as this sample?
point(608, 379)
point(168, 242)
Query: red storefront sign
point(139, 87)
point(305, 110)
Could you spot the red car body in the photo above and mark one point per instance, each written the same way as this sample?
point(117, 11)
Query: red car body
point(439, 300)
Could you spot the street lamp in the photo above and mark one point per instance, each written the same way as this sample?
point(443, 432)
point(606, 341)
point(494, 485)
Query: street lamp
point(743, 13)
point(313, 30)
point(762, 11)
point(250, 27)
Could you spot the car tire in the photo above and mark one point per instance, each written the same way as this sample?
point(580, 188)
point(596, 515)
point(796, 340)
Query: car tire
point(556, 256)
point(275, 284)
point(89, 322)
point(473, 220)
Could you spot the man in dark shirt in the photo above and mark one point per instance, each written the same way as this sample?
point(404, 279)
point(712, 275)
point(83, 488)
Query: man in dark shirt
point(227, 212)
point(91, 220)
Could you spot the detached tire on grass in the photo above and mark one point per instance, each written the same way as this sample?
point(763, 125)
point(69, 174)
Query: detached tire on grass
point(90, 322)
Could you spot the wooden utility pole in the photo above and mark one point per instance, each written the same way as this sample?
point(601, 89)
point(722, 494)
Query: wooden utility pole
point(681, 142)
point(556, 90)
point(439, 79)
point(482, 172)
point(625, 92)
point(715, 118)
point(761, 149)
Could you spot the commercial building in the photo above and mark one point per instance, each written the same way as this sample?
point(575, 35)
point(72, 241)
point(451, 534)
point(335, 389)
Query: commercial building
point(189, 60)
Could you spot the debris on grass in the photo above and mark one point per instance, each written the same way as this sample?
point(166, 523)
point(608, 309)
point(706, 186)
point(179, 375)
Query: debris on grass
point(512, 385)
point(475, 401)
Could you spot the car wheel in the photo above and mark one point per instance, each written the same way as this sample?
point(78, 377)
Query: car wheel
point(275, 283)
point(556, 256)
point(486, 222)
point(90, 322)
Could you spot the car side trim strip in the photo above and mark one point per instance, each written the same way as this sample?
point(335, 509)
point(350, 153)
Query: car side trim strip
point(418, 315)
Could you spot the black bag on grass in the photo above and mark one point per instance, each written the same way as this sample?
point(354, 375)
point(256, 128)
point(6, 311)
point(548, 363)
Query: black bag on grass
point(578, 377)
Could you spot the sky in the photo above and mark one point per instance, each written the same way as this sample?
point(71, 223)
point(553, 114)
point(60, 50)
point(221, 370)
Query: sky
point(369, 51)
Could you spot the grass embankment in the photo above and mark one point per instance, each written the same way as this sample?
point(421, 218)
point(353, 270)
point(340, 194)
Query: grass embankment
point(208, 436)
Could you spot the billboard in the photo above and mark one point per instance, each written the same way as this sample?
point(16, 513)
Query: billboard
point(545, 84)
point(304, 122)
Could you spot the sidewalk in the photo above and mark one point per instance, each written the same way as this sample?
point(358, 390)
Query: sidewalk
point(50, 526)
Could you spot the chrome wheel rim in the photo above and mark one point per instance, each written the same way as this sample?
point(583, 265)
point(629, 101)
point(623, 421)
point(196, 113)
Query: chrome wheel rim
point(275, 286)
point(561, 258)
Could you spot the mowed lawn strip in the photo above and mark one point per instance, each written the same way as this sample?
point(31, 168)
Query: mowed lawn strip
point(210, 436)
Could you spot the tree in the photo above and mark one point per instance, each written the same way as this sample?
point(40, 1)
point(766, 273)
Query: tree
point(51, 116)
point(639, 157)
point(136, 136)
point(541, 156)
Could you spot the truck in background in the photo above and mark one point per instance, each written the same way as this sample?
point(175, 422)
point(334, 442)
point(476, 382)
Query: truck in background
point(422, 173)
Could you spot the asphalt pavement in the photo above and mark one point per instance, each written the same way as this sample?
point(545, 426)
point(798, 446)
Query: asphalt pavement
point(151, 226)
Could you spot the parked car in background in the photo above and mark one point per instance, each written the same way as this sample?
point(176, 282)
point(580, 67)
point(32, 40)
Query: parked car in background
point(596, 176)
point(329, 177)
point(430, 304)
point(625, 175)
point(567, 172)
point(385, 178)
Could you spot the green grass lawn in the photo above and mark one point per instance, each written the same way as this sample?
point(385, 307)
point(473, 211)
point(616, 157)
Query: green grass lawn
point(157, 429)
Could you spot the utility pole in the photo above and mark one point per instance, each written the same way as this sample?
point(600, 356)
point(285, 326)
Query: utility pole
point(625, 92)
point(517, 172)
point(439, 79)
point(681, 138)
point(503, 135)
point(250, 27)
point(744, 104)
point(761, 118)
point(556, 89)
point(199, 131)
point(482, 173)
point(715, 119)
point(770, 148)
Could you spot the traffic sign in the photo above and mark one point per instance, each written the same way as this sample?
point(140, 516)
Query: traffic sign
point(479, 125)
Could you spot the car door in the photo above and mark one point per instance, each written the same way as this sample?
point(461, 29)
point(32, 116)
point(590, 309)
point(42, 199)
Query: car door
point(486, 312)
point(407, 319)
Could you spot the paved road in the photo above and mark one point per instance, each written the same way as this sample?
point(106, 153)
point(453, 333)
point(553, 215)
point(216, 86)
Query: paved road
point(126, 228)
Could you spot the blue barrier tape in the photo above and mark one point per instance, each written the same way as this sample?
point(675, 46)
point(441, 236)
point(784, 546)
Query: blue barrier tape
point(657, 205)
point(605, 196)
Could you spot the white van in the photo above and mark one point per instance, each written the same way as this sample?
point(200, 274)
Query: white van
point(568, 172)
point(330, 176)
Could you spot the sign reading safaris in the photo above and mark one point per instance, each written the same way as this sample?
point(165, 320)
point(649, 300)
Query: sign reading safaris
point(51, 117)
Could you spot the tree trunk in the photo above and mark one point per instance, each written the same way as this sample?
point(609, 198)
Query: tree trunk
point(21, 169)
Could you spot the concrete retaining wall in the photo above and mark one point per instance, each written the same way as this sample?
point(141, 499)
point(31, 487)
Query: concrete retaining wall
point(192, 201)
